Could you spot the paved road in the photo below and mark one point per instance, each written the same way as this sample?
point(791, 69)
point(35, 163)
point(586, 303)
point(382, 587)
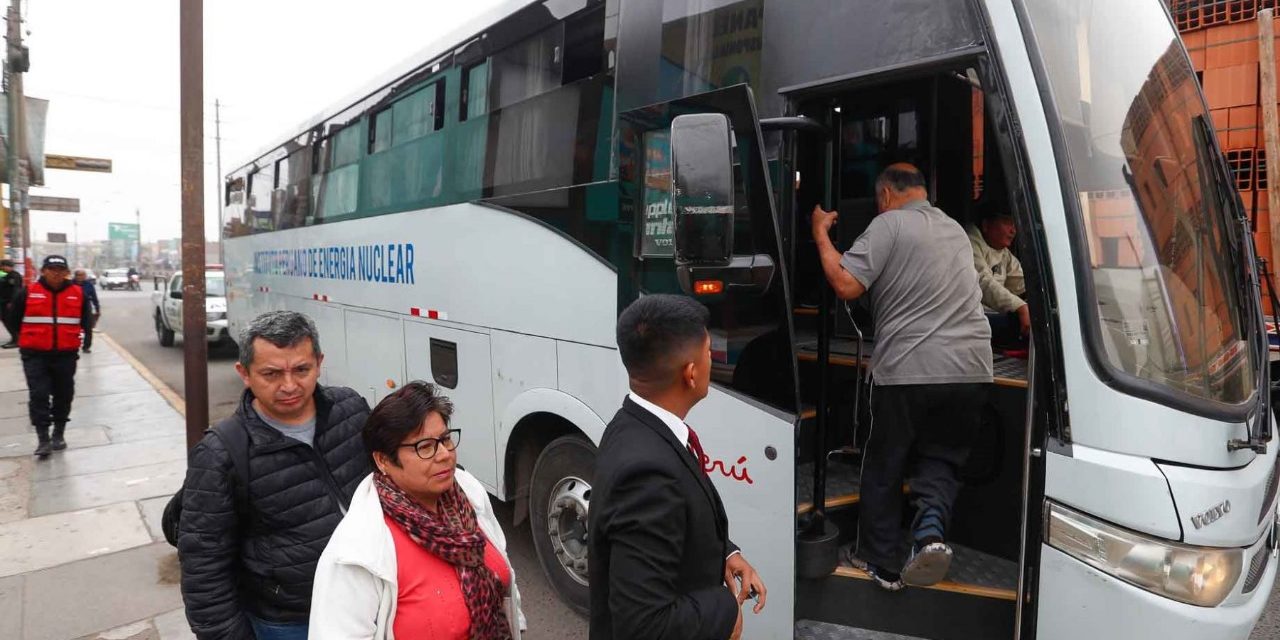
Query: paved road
point(127, 319)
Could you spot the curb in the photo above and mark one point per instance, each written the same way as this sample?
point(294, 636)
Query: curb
point(159, 385)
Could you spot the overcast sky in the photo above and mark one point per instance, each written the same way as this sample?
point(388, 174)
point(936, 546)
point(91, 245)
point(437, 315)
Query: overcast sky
point(110, 72)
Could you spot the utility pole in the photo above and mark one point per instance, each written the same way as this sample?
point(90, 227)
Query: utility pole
point(222, 188)
point(217, 141)
point(16, 63)
point(191, 83)
point(1270, 123)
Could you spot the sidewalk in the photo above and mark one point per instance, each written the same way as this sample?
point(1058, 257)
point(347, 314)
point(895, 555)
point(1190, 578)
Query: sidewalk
point(80, 544)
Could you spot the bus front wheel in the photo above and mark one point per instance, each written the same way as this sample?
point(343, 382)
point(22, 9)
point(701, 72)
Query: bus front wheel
point(558, 500)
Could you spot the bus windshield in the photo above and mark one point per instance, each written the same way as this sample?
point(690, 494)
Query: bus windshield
point(1165, 269)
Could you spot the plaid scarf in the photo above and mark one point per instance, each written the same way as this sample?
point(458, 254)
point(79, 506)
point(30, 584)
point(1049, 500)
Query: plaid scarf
point(451, 533)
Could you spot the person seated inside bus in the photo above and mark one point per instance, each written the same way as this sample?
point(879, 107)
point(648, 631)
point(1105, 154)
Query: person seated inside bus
point(1000, 277)
point(932, 371)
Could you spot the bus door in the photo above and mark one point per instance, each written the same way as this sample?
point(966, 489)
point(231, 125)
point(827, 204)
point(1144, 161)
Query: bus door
point(727, 256)
point(836, 142)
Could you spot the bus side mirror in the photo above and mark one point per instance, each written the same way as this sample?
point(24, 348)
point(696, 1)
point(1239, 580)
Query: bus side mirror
point(702, 201)
point(702, 189)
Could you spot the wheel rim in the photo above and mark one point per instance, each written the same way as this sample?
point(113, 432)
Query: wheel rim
point(567, 525)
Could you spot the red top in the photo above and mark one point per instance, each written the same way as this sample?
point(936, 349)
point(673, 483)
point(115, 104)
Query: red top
point(429, 601)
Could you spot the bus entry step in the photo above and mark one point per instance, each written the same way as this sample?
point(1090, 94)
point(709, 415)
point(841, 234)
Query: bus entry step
point(814, 630)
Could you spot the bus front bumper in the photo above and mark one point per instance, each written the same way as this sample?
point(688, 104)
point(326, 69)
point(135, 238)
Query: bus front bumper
point(1078, 601)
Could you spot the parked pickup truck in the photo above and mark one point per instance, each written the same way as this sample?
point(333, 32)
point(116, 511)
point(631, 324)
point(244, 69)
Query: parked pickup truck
point(167, 304)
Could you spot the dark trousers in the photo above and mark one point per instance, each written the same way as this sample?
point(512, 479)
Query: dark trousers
point(51, 381)
point(88, 333)
point(11, 327)
point(921, 434)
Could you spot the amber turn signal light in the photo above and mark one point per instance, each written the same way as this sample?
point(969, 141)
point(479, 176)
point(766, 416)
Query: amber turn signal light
point(708, 287)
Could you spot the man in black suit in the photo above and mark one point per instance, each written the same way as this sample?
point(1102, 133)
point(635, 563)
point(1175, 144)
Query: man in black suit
point(662, 564)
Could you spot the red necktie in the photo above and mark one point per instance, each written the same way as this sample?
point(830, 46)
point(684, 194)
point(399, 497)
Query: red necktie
point(695, 447)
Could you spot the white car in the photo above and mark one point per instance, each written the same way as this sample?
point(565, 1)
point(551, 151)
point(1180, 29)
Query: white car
point(167, 304)
point(114, 279)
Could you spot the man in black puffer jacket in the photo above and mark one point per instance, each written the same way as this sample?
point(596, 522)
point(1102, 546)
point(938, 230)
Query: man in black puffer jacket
point(248, 575)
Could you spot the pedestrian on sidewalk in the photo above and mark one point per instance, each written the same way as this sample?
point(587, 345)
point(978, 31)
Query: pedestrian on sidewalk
point(50, 314)
point(10, 287)
point(420, 554)
point(90, 294)
point(249, 551)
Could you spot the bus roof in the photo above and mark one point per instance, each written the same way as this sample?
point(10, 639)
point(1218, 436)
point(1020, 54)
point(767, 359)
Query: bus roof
point(458, 36)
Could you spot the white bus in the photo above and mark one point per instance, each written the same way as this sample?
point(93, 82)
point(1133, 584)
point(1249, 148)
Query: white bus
point(479, 216)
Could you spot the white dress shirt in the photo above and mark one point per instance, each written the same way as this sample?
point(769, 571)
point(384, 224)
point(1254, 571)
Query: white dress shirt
point(677, 426)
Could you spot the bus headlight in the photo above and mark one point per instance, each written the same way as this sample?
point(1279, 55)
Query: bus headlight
point(1202, 576)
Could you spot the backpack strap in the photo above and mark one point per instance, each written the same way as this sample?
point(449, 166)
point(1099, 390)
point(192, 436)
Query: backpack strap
point(235, 437)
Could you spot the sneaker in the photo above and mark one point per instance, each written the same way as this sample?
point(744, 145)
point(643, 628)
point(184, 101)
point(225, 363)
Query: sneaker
point(928, 564)
point(885, 579)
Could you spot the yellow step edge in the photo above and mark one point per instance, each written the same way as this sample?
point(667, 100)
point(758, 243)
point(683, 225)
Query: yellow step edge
point(834, 501)
point(946, 585)
point(805, 311)
point(840, 501)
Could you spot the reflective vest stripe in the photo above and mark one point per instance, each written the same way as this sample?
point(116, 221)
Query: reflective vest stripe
point(49, 320)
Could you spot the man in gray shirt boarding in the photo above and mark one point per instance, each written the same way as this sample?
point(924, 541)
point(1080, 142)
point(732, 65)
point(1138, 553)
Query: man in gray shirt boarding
point(931, 368)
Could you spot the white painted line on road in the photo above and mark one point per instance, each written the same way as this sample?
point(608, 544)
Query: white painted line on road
point(165, 390)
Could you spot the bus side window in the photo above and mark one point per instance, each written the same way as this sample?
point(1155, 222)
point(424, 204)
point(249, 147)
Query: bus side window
point(416, 114)
point(475, 92)
point(529, 68)
point(584, 52)
point(341, 181)
point(262, 185)
point(233, 223)
point(437, 106)
point(380, 131)
point(293, 179)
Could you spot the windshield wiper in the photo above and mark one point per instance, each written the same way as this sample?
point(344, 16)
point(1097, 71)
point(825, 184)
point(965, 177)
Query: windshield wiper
point(1216, 179)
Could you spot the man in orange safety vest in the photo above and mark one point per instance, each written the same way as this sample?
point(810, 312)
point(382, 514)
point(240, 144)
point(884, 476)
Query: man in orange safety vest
point(51, 314)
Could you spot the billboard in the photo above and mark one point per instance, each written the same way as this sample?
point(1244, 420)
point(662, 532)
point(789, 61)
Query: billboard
point(122, 239)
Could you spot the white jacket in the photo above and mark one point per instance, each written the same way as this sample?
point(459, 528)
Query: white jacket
point(354, 596)
point(999, 275)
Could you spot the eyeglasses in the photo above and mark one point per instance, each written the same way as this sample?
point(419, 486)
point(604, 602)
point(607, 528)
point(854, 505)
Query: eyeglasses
point(427, 448)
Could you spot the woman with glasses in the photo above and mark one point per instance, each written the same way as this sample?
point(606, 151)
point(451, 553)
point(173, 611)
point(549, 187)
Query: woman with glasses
point(420, 554)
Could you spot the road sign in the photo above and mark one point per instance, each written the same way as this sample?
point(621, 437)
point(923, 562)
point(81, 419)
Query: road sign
point(77, 163)
point(57, 238)
point(122, 238)
point(50, 203)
